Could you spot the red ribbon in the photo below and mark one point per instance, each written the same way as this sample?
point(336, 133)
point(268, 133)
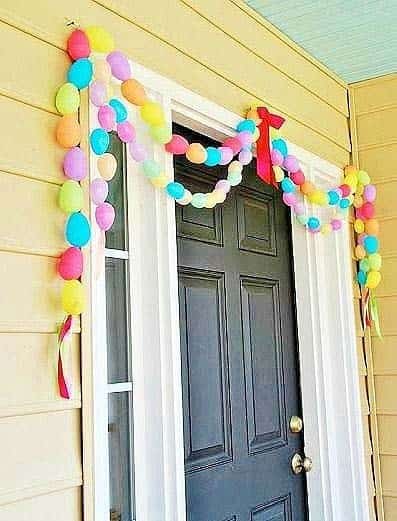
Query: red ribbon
point(264, 167)
point(63, 335)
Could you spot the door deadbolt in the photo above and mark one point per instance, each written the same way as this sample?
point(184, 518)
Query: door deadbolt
point(301, 464)
point(296, 424)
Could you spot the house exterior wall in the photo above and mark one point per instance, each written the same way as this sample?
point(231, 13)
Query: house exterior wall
point(374, 131)
point(220, 49)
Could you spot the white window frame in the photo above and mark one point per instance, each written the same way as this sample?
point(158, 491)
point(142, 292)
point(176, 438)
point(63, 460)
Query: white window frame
point(337, 485)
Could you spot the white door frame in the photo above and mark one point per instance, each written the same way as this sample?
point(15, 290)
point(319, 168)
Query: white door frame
point(337, 485)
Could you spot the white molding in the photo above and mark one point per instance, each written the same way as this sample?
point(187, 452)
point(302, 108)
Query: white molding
point(337, 486)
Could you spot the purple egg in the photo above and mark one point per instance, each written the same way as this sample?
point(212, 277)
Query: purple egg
point(98, 93)
point(245, 138)
point(75, 164)
point(277, 157)
point(119, 64)
point(107, 117)
point(291, 163)
point(126, 131)
point(370, 193)
point(138, 152)
point(104, 215)
point(223, 185)
point(226, 155)
point(98, 190)
point(289, 198)
point(245, 156)
point(299, 208)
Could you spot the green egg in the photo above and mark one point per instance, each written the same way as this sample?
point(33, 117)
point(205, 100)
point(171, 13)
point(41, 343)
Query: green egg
point(71, 197)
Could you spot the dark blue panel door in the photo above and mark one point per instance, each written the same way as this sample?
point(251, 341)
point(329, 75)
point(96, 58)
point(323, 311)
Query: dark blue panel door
point(239, 353)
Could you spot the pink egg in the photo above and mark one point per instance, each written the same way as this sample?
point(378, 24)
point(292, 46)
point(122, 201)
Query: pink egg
point(75, 164)
point(223, 185)
point(298, 177)
point(226, 155)
point(299, 208)
point(178, 145)
point(70, 265)
point(367, 210)
point(107, 117)
point(233, 143)
point(361, 237)
point(138, 152)
point(126, 131)
point(291, 163)
point(78, 45)
point(98, 93)
point(98, 190)
point(370, 193)
point(245, 156)
point(277, 157)
point(289, 198)
point(245, 138)
point(120, 66)
point(336, 224)
point(104, 215)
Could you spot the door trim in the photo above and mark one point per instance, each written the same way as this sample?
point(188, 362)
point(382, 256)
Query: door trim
point(337, 485)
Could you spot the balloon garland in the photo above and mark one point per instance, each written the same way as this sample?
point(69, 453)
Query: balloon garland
point(275, 165)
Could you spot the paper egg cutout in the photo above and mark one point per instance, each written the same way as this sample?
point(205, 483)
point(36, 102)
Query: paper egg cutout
point(78, 232)
point(70, 265)
point(73, 298)
point(80, 73)
point(107, 166)
point(104, 215)
point(119, 64)
point(67, 100)
point(68, 132)
point(70, 197)
point(75, 164)
point(99, 141)
point(78, 45)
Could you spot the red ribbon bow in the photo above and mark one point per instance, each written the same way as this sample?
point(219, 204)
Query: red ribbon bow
point(264, 167)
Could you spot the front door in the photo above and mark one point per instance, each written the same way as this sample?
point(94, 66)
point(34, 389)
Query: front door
point(239, 351)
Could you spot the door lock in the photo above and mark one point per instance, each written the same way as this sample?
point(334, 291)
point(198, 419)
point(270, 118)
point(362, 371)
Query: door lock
point(296, 424)
point(301, 464)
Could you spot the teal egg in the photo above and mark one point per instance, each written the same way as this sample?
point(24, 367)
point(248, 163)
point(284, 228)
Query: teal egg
point(99, 141)
point(280, 145)
point(246, 124)
point(120, 110)
point(364, 265)
point(175, 190)
point(313, 223)
point(213, 156)
point(198, 200)
point(78, 231)
point(344, 203)
point(287, 185)
point(333, 197)
point(371, 244)
point(80, 73)
point(361, 277)
point(151, 168)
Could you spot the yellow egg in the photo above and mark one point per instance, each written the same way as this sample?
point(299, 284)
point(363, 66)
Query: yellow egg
point(363, 177)
point(219, 196)
point(278, 174)
point(196, 153)
point(358, 226)
point(359, 189)
point(107, 166)
point(373, 279)
point(160, 181)
point(351, 180)
point(73, 298)
point(318, 197)
point(275, 133)
point(360, 252)
point(99, 39)
point(326, 229)
point(210, 200)
point(152, 113)
point(134, 92)
point(350, 169)
point(357, 201)
point(67, 99)
point(68, 132)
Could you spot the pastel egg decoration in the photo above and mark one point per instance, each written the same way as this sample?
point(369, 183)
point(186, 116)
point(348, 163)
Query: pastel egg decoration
point(245, 156)
point(98, 190)
point(213, 156)
point(67, 100)
point(98, 93)
point(161, 134)
point(73, 298)
point(226, 155)
point(99, 140)
point(80, 73)
point(246, 124)
point(134, 92)
point(175, 190)
point(276, 157)
point(186, 198)
point(333, 197)
point(120, 110)
point(151, 168)
point(99, 39)
point(313, 223)
point(177, 145)
point(196, 153)
point(78, 232)
point(361, 277)
point(367, 210)
point(75, 164)
point(233, 143)
point(375, 261)
point(298, 177)
point(78, 45)
point(287, 185)
point(198, 200)
point(102, 70)
point(372, 227)
point(104, 216)
point(291, 163)
point(70, 198)
point(107, 166)
point(281, 146)
point(126, 131)
point(68, 131)
point(70, 264)
point(370, 193)
point(373, 279)
point(107, 117)
point(371, 244)
point(119, 65)
point(152, 113)
point(137, 151)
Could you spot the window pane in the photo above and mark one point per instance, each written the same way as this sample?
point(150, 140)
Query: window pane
point(116, 236)
point(117, 320)
point(120, 436)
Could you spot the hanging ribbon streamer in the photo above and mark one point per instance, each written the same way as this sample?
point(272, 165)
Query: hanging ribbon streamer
point(374, 314)
point(64, 340)
point(263, 158)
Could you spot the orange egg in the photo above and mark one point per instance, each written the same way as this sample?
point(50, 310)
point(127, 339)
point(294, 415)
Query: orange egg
point(196, 153)
point(107, 166)
point(360, 252)
point(350, 169)
point(134, 92)
point(372, 227)
point(253, 114)
point(68, 132)
point(307, 187)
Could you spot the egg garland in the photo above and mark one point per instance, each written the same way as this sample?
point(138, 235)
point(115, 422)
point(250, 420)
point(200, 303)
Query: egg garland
point(234, 152)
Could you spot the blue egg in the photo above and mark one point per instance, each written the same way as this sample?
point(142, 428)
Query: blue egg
point(120, 110)
point(213, 156)
point(287, 185)
point(99, 140)
point(313, 223)
point(78, 232)
point(333, 197)
point(246, 124)
point(281, 146)
point(361, 277)
point(371, 244)
point(344, 203)
point(80, 73)
point(175, 190)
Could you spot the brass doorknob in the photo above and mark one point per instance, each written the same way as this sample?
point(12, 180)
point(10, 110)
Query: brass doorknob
point(296, 424)
point(301, 464)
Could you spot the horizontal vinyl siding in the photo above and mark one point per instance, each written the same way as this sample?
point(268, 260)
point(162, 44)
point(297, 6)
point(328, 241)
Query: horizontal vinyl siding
point(375, 106)
point(220, 49)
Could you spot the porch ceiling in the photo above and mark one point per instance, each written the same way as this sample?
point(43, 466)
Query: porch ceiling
point(357, 39)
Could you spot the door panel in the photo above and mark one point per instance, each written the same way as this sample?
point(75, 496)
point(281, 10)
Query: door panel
point(239, 352)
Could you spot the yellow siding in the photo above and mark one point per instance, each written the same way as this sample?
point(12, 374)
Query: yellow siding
point(220, 49)
point(375, 147)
